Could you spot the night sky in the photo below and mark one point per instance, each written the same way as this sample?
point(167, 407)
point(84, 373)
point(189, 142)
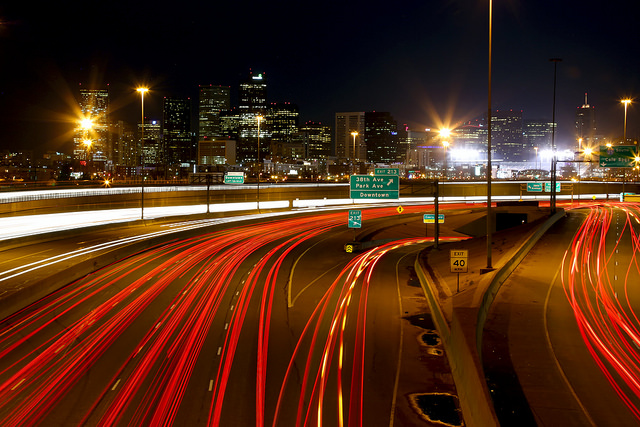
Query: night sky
point(423, 61)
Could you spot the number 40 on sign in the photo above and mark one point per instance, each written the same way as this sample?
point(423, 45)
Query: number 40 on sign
point(459, 260)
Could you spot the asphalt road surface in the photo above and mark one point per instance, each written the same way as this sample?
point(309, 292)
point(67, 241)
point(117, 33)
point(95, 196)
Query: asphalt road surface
point(267, 323)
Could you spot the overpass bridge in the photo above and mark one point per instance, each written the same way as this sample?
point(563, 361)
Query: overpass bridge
point(222, 198)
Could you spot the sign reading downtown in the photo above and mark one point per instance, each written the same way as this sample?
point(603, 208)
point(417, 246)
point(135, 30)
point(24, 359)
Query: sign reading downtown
point(374, 187)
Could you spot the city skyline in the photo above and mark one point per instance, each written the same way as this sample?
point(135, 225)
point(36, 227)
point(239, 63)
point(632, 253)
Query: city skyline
point(424, 64)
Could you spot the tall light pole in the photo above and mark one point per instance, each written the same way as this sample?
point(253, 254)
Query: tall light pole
point(626, 103)
point(142, 91)
point(489, 219)
point(536, 148)
point(354, 134)
point(445, 133)
point(554, 160)
point(259, 119)
point(445, 145)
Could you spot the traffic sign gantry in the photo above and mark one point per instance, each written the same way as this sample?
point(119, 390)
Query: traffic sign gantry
point(374, 187)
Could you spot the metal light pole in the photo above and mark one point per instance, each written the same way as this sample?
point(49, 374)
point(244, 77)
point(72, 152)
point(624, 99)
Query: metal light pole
point(554, 160)
point(142, 91)
point(259, 119)
point(626, 103)
point(354, 134)
point(489, 219)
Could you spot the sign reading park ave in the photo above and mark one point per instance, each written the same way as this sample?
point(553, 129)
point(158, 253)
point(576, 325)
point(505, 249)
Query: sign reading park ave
point(374, 187)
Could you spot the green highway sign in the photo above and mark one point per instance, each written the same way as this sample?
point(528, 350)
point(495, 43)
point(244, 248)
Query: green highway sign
point(617, 156)
point(374, 187)
point(234, 178)
point(547, 187)
point(355, 219)
point(387, 171)
point(534, 187)
point(539, 187)
point(431, 218)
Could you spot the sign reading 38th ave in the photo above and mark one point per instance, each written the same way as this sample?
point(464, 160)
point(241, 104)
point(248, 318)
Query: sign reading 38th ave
point(374, 187)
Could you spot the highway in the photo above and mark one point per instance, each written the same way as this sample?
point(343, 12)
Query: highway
point(562, 343)
point(249, 324)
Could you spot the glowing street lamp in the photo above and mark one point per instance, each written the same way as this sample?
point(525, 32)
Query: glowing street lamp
point(626, 103)
point(354, 134)
point(142, 91)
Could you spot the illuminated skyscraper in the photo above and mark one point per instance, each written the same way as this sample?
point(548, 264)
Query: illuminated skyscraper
point(252, 103)
point(94, 106)
point(506, 133)
point(346, 123)
point(381, 137)
point(586, 123)
point(177, 139)
point(212, 101)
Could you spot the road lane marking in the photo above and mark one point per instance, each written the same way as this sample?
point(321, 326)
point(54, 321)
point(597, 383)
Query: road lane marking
point(210, 385)
point(219, 350)
point(18, 385)
point(226, 325)
point(115, 385)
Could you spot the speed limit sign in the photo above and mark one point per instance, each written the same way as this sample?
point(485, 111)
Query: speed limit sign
point(459, 259)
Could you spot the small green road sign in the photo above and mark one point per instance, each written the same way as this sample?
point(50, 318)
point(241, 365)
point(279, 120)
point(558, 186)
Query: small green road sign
point(234, 178)
point(431, 218)
point(374, 187)
point(534, 187)
point(617, 156)
point(387, 171)
point(547, 187)
point(355, 219)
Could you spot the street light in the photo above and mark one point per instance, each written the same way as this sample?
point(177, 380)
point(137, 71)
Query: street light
point(554, 159)
point(536, 149)
point(626, 103)
point(142, 91)
point(354, 134)
point(489, 220)
point(445, 145)
point(259, 119)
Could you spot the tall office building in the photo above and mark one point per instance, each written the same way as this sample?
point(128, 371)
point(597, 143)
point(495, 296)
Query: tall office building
point(506, 135)
point(316, 139)
point(93, 143)
point(177, 139)
point(253, 94)
point(346, 146)
point(152, 144)
point(125, 145)
point(381, 137)
point(586, 124)
point(252, 104)
point(212, 101)
point(537, 133)
point(282, 121)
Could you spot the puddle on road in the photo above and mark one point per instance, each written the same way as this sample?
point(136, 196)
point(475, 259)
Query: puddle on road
point(440, 408)
point(423, 321)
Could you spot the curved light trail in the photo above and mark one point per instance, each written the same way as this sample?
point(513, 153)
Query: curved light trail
point(152, 319)
point(600, 277)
